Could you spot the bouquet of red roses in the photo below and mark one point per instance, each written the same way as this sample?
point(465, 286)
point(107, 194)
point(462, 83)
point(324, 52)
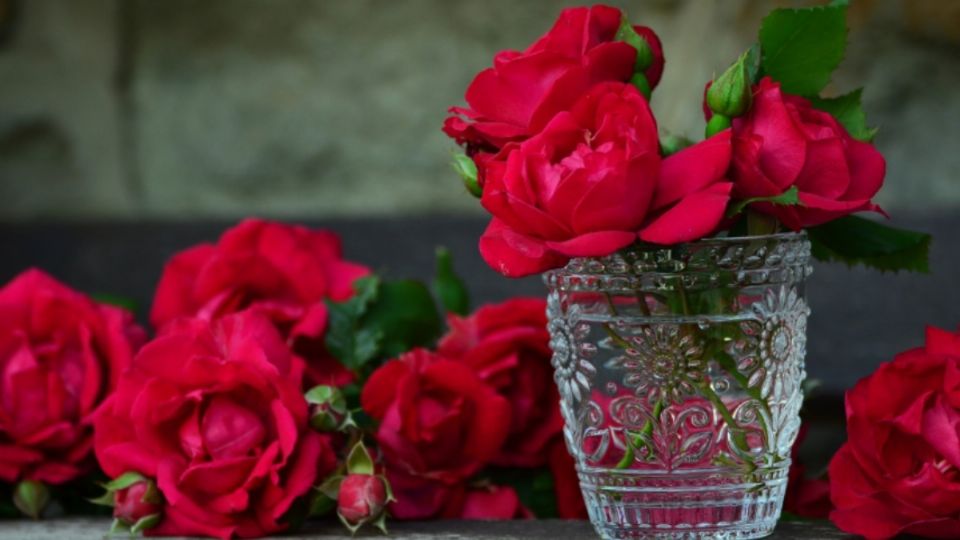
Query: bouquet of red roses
point(564, 152)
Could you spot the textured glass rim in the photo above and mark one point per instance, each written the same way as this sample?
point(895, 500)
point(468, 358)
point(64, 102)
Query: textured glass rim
point(788, 235)
point(579, 266)
point(783, 236)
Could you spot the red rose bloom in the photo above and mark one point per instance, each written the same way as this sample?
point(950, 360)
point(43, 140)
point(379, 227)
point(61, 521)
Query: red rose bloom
point(508, 346)
point(784, 142)
point(439, 424)
point(282, 271)
point(60, 356)
point(493, 502)
point(592, 182)
point(899, 471)
point(518, 96)
point(212, 412)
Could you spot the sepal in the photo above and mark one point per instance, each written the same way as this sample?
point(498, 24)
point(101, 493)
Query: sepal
point(31, 497)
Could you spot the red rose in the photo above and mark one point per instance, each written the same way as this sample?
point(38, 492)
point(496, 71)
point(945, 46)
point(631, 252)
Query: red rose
point(212, 412)
point(566, 484)
point(439, 424)
point(60, 356)
point(805, 497)
point(493, 502)
point(592, 182)
point(283, 271)
point(507, 344)
point(784, 142)
point(518, 96)
point(132, 504)
point(362, 498)
point(899, 471)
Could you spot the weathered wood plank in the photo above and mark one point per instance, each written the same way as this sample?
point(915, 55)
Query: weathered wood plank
point(95, 528)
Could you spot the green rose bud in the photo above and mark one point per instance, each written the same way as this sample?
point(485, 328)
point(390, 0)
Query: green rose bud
point(328, 409)
point(731, 92)
point(627, 34)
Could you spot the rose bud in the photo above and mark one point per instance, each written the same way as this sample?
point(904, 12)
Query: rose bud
point(328, 409)
point(362, 494)
point(139, 501)
point(362, 499)
point(730, 94)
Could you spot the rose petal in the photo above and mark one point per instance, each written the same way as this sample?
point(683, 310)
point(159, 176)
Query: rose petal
point(695, 216)
point(595, 244)
point(941, 430)
point(495, 502)
point(867, 170)
point(825, 171)
point(693, 169)
point(515, 255)
point(784, 148)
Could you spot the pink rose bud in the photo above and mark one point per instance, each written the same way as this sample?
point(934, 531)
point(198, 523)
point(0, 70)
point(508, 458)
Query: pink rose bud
point(362, 498)
point(136, 502)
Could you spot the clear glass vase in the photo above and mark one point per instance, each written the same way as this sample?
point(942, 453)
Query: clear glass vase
point(679, 372)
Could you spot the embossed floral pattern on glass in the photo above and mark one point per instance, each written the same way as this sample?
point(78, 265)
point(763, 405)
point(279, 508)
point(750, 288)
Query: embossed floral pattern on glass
point(679, 371)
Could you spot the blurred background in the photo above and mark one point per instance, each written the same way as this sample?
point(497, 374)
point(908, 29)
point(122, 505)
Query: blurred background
point(131, 129)
point(190, 109)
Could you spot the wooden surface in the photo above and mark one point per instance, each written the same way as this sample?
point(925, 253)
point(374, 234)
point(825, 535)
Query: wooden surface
point(95, 529)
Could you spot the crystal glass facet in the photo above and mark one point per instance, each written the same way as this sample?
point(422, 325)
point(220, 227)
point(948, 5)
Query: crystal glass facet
point(680, 374)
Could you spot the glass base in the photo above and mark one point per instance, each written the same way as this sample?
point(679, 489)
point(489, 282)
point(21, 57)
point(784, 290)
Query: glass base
point(688, 504)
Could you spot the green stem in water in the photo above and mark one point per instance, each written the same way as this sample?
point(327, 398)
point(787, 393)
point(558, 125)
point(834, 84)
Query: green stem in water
point(615, 337)
point(628, 456)
point(610, 304)
point(642, 304)
point(739, 437)
point(641, 439)
point(682, 293)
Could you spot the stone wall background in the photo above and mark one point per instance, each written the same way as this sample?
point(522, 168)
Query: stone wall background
point(221, 108)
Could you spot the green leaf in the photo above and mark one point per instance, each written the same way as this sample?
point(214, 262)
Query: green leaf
point(848, 111)
point(359, 460)
point(144, 523)
point(114, 300)
point(321, 505)
point(790, 197)
point(31, 498)
point(404, 316)
point(330, 487)
point(802, 47)
point(467, 169)
point(124, 481)
point(448, 286)
point(330, 411)
point(855, 240)
point(107, 499)
point(326, 395)
point(345, 339)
